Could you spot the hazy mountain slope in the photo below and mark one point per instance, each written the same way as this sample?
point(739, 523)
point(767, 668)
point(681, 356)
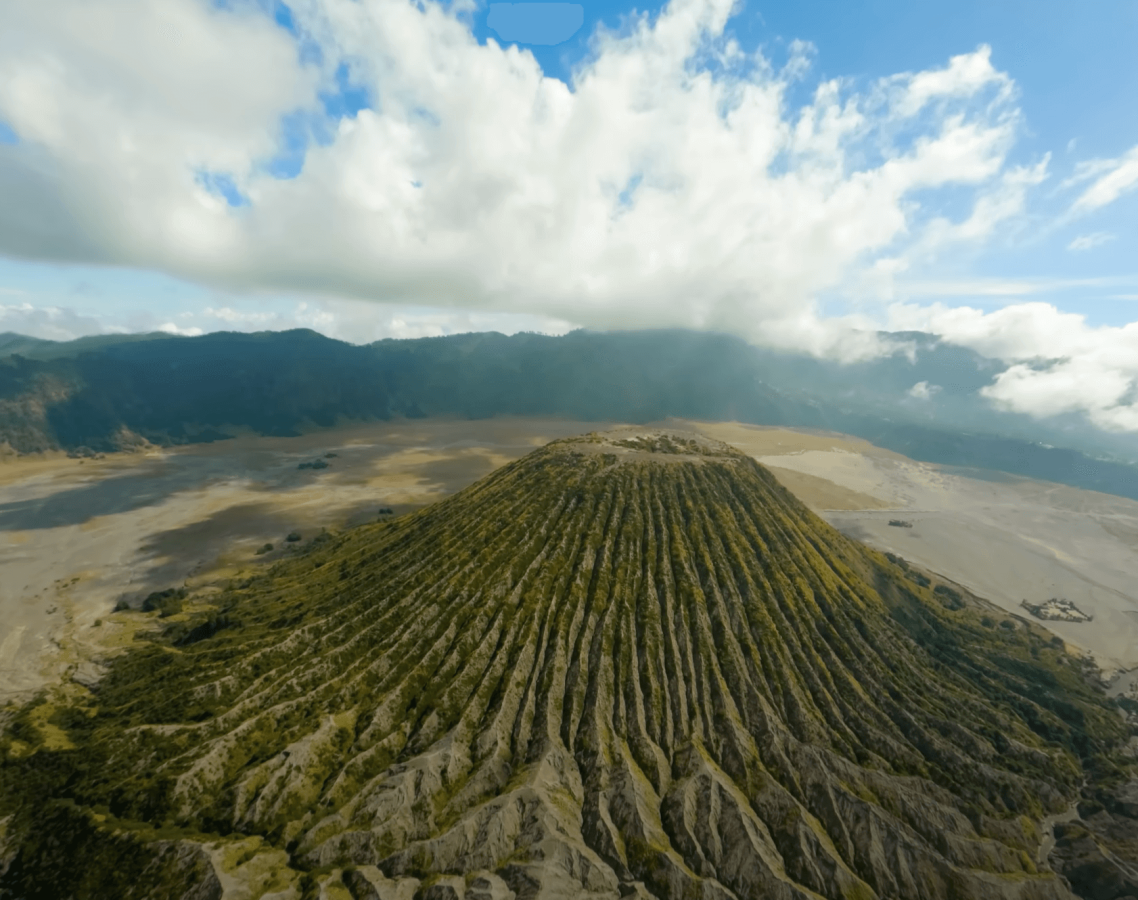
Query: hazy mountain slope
point(177, 390)
point(880, 391)
point(39, 348)
point(637, 376)
point(10, 343)
point(619, 666)
point(174, 390)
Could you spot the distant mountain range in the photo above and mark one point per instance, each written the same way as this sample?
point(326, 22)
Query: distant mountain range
point(111, 392)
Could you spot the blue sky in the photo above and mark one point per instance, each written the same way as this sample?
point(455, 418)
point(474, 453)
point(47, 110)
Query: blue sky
point(1075, 69)
point(796, 173)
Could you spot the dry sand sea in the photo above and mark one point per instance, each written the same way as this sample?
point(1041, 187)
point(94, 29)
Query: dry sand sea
point(76, 537)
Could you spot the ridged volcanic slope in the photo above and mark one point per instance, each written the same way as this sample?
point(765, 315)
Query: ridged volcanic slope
point(615, 666)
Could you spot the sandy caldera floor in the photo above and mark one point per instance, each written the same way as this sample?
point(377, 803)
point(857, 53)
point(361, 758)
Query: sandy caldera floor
point(77, 537)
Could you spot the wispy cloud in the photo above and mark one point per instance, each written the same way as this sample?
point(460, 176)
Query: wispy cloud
point(996, 287)
point(49, 322)
point(171, 328)
point(1110, 179)
point(1090, 241)
point(356, 322)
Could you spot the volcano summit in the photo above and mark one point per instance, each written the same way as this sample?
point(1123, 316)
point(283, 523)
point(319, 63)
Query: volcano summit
point(628, 664)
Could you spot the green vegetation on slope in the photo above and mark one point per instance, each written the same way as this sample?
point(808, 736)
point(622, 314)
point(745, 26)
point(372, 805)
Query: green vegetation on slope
point(616, 665)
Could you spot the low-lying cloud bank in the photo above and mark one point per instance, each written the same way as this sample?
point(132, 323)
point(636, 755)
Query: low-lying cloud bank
point(1060, 364)
point(373, 149)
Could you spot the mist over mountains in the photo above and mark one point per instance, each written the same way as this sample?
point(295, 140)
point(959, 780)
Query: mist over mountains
point(106, 392)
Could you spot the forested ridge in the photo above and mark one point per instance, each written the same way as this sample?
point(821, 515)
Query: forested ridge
point(98, 395)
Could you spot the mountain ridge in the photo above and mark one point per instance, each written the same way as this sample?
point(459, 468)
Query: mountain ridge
point(626, 664)
point(176, 390)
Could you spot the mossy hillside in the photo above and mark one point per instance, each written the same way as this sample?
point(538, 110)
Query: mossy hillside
point(633, 659)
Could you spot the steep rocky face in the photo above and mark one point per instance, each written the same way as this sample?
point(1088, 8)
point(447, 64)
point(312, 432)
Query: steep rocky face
point(624, 665)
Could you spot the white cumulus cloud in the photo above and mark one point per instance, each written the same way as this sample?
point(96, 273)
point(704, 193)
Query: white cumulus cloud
point(173, 328)
point(671, 183)
point(51, 323)
point(1058, 363)
point(922, 390)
